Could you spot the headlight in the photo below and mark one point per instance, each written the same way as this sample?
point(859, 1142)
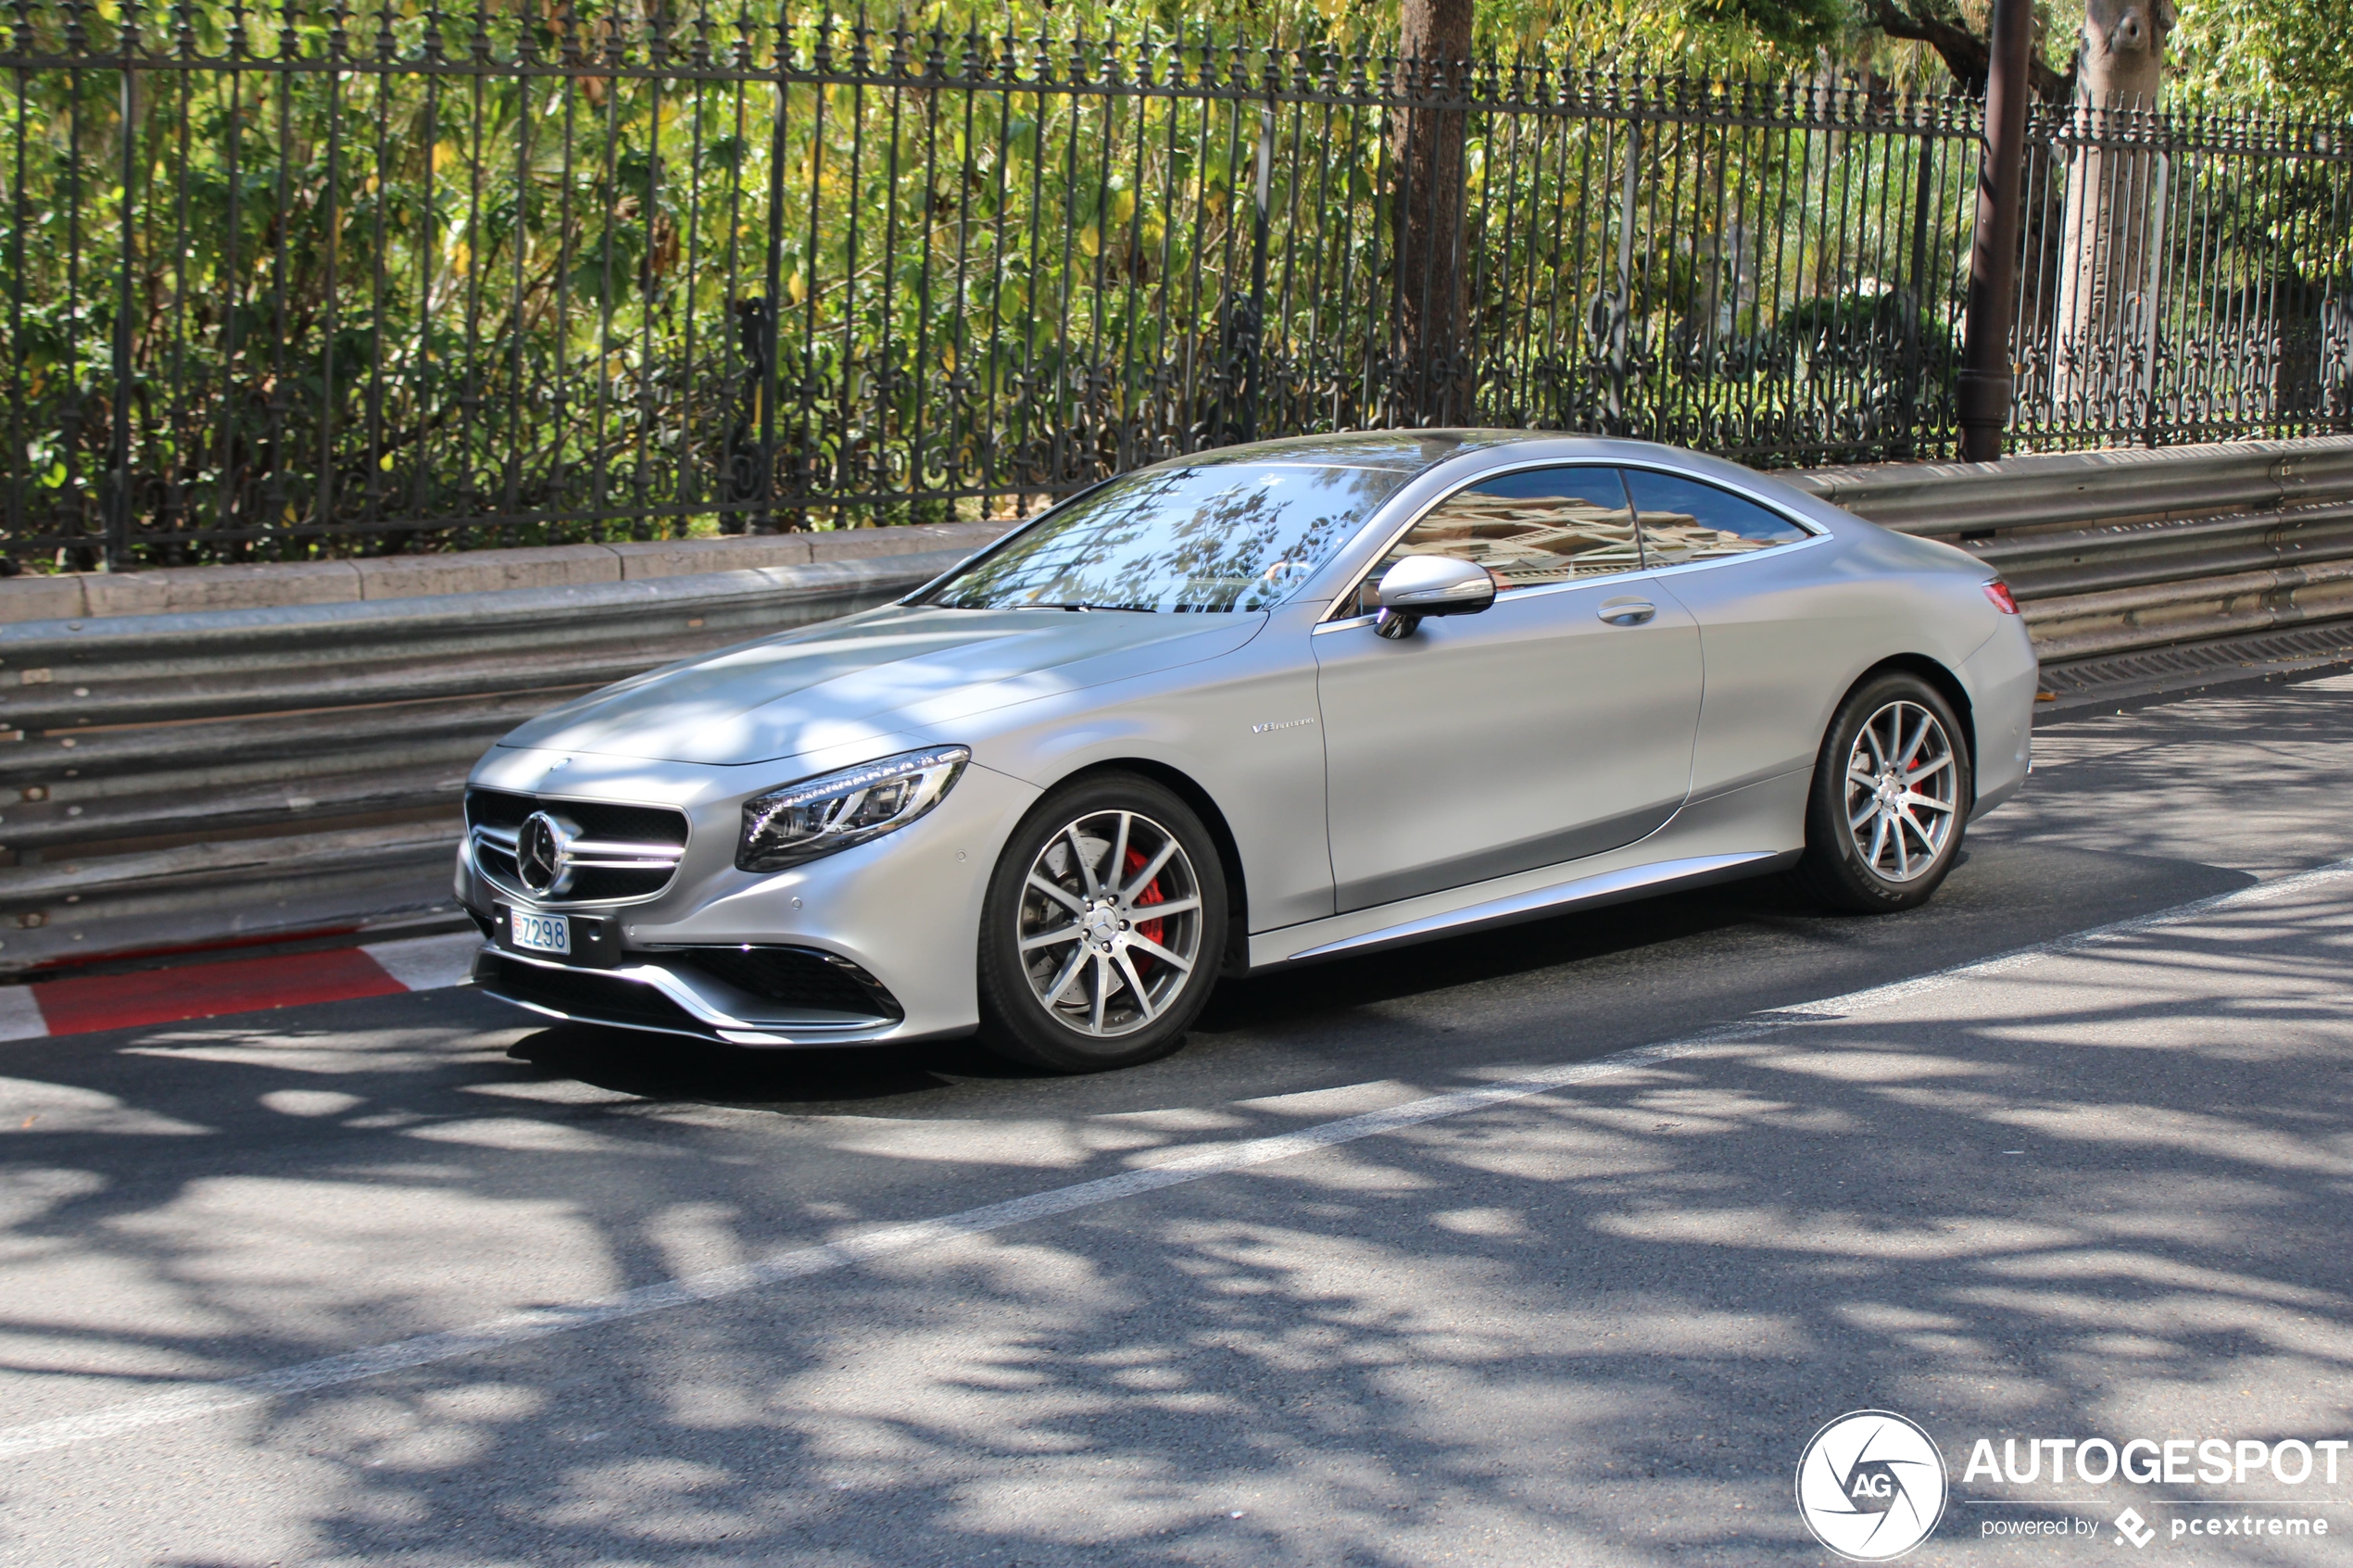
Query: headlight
point(833, 811)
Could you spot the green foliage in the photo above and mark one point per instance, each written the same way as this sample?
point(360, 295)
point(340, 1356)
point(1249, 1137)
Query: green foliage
point(1803, 24)
point(2290, 57)
point(426, 308)
point(1706, 36)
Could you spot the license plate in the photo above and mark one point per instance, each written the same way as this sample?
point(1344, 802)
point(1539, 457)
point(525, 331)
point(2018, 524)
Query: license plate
point(541, 934)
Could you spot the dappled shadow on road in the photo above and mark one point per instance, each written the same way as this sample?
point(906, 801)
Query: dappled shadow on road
point(2253, 779)
point(1591, 1327)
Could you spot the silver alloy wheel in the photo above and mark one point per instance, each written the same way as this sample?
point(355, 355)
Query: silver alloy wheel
point(1901, 787)
point(1110, 923)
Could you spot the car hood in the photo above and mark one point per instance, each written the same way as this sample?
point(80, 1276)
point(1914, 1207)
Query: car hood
point(871, 674)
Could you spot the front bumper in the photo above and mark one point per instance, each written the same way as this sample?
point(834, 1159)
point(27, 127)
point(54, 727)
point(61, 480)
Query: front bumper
point(902, 913)
point(669, 996)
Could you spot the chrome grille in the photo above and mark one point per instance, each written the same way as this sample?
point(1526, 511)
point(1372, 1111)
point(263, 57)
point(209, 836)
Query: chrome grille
point(550, 850)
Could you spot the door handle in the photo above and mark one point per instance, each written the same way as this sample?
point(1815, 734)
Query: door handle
point(1628, 612)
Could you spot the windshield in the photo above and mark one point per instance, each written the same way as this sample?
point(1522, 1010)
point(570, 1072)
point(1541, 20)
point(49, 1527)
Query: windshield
point(1228, 537)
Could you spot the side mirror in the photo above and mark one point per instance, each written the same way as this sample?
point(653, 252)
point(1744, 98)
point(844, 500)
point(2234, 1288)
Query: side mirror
point(1420, 586)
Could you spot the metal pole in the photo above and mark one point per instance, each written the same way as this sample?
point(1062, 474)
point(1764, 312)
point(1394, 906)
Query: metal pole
point(1622, 307)
point(1914, 298)
point(118, 453)
point(1255, 332)
point(1984, 400)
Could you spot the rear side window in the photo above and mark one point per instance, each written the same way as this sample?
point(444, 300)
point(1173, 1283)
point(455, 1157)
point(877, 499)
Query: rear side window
point(1683, 520)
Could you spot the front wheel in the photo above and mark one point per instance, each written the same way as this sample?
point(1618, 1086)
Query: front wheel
point(1104, 928)
point(1891, 798)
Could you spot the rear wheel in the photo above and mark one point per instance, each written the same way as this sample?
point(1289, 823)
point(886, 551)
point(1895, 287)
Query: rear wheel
point(1104, 928)
point(1891, 798)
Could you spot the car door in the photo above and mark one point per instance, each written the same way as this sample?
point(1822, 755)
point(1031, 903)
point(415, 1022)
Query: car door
point(1782, 639)
point(1555, 724)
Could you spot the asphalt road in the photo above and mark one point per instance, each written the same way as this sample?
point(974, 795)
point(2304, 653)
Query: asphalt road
point(1592, 1318)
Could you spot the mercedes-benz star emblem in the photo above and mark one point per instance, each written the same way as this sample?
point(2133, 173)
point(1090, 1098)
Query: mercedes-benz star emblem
point(541, 850)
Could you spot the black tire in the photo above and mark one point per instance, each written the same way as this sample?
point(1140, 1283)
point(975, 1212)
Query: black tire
point(1839, 868)
point(1140, 980)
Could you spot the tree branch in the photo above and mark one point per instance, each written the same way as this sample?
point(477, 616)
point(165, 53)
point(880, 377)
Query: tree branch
point(1964, 53)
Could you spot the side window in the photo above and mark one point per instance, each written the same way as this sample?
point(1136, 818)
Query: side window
point(1537, 526)
point(1684, 519)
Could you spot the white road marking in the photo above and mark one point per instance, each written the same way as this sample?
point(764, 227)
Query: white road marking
point(20, 1015)
point(1208, 1160)
point(427, 964)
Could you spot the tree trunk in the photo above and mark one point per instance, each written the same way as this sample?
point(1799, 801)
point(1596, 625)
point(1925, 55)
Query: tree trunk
point(2113, 235)
point(1426, 147)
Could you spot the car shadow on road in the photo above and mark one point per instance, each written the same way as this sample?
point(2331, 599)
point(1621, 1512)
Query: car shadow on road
point(1577, 985)
point(1280, 996)
point(672, 1068)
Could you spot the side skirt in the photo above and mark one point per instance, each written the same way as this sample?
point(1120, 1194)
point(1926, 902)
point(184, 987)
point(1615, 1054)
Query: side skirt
point(1608, 888)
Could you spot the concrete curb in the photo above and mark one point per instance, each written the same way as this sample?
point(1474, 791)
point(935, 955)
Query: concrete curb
point(196, 590)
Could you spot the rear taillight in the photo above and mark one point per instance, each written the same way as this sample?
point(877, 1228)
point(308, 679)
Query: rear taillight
point(1999, 592)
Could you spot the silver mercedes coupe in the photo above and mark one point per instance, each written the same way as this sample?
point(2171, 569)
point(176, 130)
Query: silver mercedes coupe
point(1254, 707)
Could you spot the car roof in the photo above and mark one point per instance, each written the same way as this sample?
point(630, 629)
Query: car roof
point(1410, 452)
point(1402, 451)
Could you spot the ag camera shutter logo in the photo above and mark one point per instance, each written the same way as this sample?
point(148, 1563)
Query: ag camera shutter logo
point(1872, 1486)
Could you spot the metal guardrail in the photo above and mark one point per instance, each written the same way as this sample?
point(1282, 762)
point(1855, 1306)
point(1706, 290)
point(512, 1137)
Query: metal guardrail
point(2114, 552)
point(2055, 490)
point(169, 766)
point(191, 779)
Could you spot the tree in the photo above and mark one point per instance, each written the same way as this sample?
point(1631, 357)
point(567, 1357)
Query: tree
point(1941, 26)
point(2122, 55)
point(2113, 242)
point(2104, 271)
point(1434, 36)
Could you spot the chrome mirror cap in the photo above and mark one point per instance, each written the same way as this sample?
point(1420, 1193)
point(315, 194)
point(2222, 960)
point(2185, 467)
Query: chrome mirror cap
point(1420, 586)
point(1437, 585)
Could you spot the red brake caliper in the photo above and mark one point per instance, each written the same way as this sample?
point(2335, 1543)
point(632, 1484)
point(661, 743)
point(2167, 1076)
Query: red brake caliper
point(1149, 930)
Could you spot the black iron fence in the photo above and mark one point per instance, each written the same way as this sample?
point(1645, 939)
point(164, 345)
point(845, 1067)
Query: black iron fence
point(2185, 277)
point(302, 277)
